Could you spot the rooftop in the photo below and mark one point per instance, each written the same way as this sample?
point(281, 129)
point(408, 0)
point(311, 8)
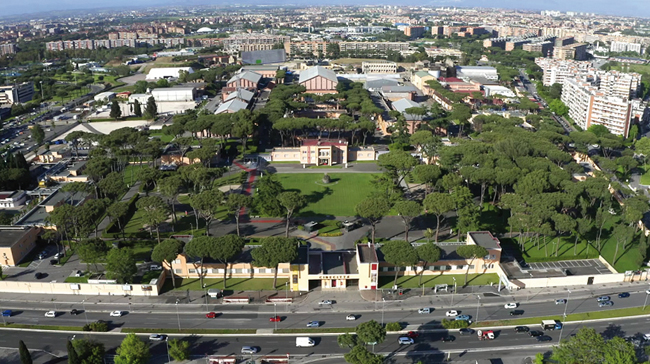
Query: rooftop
point(485, 239)
point(323, 142)
point(339, 263)
point(9, 235)
point(310, 73)
point(367, 253)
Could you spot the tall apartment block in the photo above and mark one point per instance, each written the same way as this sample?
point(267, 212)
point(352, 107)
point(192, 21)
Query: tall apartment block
point(625, 47)
point(556, 71)
point(7, 48)
point(414, 32)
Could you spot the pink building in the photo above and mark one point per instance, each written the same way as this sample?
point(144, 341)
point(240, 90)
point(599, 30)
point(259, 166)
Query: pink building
point(319, 80)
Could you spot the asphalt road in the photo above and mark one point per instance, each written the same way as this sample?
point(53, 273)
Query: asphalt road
point(428, 343)
point(195, 319)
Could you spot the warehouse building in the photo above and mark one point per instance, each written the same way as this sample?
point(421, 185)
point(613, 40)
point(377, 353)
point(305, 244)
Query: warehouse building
point(171, 72)
point(179, 93)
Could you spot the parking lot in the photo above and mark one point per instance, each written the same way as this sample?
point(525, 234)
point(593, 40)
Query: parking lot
point(48, 272)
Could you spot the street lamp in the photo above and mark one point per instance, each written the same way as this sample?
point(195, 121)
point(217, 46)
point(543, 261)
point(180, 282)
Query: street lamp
point(383, 304)
point(454, 291)
point(478, 303)
point(83, 303)
point(567, 303)
point(169, 360)
point(178, 317)
point(646, 299)
point(275, 315)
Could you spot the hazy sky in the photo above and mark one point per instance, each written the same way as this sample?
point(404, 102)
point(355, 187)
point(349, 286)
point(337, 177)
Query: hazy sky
point(621, 7)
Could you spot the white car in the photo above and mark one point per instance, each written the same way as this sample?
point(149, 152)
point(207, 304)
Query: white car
point(451, 313)
point(424, 310)
point(325, 302)
point(157, 337)
point(50, 314)
point(405, 340)
point(511, 305)
point(350, 317)
point(116, 314)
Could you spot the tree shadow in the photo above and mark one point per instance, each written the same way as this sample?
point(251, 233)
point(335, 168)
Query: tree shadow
point(612, 331)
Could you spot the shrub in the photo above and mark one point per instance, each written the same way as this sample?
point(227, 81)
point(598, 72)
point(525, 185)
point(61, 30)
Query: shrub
point(393, 326)
point(325, 235)
point(454, 324)
point(97, 326)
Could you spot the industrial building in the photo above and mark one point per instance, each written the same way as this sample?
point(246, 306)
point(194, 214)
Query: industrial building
point(178, 93)
point(17, 94)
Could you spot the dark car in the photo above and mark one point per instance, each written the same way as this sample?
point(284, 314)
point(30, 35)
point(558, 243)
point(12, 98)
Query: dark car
point(465, 332)
point(623, 295)
point(74, 311)
point(544, 338)
point(54, 261)
point(39, 275)
point(516, 313)
point(448, 338)
point(535, 333)
point(522, 329)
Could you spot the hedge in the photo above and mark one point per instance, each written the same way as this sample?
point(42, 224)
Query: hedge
point(393, 326)
point(110, 231)
point(455, 324)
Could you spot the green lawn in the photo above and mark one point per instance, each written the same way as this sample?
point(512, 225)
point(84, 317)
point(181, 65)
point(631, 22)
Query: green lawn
point(235, 284)
point(185, 225)
point(645, 178)
point(432, 280)
point(163, 137)
point(76, 280)
point(338, 198)
point(130, 174)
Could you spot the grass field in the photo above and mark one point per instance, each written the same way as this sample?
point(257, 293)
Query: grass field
point(645, 178)
point(432, 280)
point(163, 137)
point(338, 198)
point(235, 284)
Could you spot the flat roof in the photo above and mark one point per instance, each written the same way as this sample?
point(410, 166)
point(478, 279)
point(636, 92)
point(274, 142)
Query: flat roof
point(34, 218)
point(339, 262)
point(323, 142)
point(10, 235)
point(485, 239)
point(367, 253)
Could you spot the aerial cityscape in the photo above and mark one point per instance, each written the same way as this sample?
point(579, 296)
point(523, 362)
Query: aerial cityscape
point(345, 183)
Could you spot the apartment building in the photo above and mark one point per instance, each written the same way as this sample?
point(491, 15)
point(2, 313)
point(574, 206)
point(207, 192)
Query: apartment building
point(373, 46)
point(556, 71)
point(313, 47)
point(379, 67)
point(253, 42)
point(7, 48)
point(414, 32)
point(17, 94)
point(619, 84)
point(542, 47)
point(577, 51)
point(620, 47)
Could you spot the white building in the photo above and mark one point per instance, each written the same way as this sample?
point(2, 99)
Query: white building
point(489, 73)
point(171, 72)
point(17, 94)
point(104, 97)
point(557, 70)
point(491, 90)
point(181, 93)
point(620, 47)
point(12, 199)
point(378, 67)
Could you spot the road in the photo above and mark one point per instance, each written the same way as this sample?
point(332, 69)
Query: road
point(249, 318)
point(428, 343)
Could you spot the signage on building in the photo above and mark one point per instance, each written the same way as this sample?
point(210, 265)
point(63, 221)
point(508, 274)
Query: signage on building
point(348, 276)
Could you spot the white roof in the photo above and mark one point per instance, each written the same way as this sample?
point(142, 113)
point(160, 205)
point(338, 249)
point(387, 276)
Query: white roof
point(104, 95)
point(247, 75)
point(242, 94)
point(205, 30)
point(156, 73)
point(403, 104)
point(231, 106)
point(310, 73)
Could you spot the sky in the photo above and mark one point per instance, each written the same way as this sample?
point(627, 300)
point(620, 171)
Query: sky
point(638, 8)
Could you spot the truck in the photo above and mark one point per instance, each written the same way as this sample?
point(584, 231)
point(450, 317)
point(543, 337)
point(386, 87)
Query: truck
point(485, 334)
point(551, 325)
point(304, 342)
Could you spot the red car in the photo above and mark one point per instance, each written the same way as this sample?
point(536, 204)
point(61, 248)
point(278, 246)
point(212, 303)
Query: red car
point(211, 315)
point(412, 334)
point(275, 319)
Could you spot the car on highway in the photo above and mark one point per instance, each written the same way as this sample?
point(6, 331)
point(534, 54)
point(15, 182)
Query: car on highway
point(424, 310)
point(623, 295)
point(451, 313)
point(544, 338)
point(516, 312)
point(74, 312)
point(463, 332)
point(313, 324)
point(50, 314)
point(519, 329)
point(116, 313)
point(603, 299)
point(325, 302)
point(6, 313)
point(535, 333)
point(412, 334)
point(561, 301)
point(647, 291)
point(605, 304)
point(462, 318)
point(404, 340)
point(248, 350)
point(350, 317)
point(275, 319)
point(448, 338)
point(511, 305)
point(157, 337)
point(211, 315)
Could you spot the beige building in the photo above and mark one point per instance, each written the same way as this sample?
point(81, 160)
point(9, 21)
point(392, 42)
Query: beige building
point(323, 152)
point(420, 78)
point(16, 242)
point(378, 67)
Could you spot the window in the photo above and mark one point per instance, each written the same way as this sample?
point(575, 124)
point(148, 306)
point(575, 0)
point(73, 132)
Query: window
point(294, 279)
point(176, 261)
point(209, 271)
point(470, 267)
point(178, 271)
point(237, 270)
point(192, 271)
point(221, 270)
point(245, 270)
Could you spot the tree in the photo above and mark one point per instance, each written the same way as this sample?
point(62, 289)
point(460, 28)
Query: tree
point(132, 351)
point(428, 252)
point(427, 174)
point(236, 202)
point(38, 134)
point(539, 358)
point(170, 188)
point(199, 248)
point(167, 252)
point(116, 212)
point(179, 349)
point(471, 252)
point(116, 111)
point(439, 204)
point(137, 109)
point(371, 332)
point(347, 340)
point(468, 213)
point(120, 265)
point(408, 210)
point(587, 346)
point(73, 358)
point(92, 251)
point(112, 185)
point(399, 253)
point(292, 202)
point(155, 213)
point(25, 356)
point(225, 249)
point(275, 250)
point(207, 204)
point(372, 209)
point(558, 107)
point(642, 147)
point(151, 110)
point(361, 355)
point(89, 351)
point(398, 164)
point(265, 199)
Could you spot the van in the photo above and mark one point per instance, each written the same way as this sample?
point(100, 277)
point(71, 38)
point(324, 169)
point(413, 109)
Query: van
point(304, 342)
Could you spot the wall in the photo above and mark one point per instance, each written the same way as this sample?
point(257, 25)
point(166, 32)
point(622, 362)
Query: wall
point(572, 280)
point(20, 248)
point(84, 288)
point(320, 85)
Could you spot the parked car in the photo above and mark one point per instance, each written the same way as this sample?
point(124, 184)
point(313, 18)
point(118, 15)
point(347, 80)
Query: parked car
point(451, 313)
point(511, 305)
point(605, 304)
point(39, 275)
point(325, 302)
point(78, 273)
point(404, 340)
point(424, 310)
point(519, 329)
point(248, 350)
point(275, 319)
point(561, 301)
point(448, 338)
point(211, 315)
point(313, 324)
point(116, 314)
point(157, 337)
point(603, 298)
point(623, 295)
point(350, 318)
point(412, 334)
point(50, 314)
point(155, 267)
point(516, 312)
